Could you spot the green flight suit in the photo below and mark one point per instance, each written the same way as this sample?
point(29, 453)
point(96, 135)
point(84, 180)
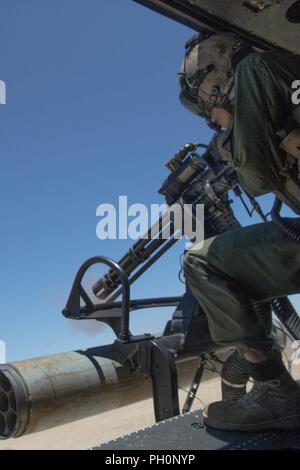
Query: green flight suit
point(256, 262)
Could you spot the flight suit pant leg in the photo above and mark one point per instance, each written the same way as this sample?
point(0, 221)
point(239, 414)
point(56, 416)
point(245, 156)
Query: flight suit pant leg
point(234, 269)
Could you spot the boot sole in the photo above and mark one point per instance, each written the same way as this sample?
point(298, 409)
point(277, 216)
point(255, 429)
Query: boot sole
point(290, 423)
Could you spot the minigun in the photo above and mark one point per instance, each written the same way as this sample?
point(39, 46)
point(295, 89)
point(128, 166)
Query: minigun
point(194, 179)
point(35, 394)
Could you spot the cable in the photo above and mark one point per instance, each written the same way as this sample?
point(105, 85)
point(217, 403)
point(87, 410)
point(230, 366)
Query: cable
point(281, 224)
point(196, 398)
point(181, 271)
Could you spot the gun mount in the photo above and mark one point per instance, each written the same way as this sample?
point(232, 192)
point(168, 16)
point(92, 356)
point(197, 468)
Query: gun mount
point(196, 179)
point(97, 376)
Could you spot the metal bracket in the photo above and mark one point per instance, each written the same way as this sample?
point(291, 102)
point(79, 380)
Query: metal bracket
point(157, 360)
point(195, 385)
point(259, 5)
point(74, 309)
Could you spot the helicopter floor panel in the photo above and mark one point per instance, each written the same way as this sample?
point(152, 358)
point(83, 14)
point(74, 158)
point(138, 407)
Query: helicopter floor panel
point(186, 432)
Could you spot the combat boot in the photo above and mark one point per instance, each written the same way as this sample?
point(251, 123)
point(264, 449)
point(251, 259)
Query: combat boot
point(270, 405)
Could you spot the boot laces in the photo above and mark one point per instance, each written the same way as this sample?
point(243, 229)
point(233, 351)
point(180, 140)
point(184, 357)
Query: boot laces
point(258, 389)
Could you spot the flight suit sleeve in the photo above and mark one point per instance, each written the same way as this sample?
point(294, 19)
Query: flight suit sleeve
point(260, 109)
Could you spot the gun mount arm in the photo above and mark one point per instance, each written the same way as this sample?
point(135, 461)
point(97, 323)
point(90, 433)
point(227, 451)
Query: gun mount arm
point(74, 310)
point(115, 314)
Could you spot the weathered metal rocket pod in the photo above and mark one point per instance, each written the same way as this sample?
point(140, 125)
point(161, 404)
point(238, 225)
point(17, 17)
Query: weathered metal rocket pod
point(42, 393)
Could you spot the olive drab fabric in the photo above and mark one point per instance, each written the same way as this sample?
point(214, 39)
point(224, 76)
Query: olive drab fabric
point(263, 103)
point(258, 262)
point(238, 267)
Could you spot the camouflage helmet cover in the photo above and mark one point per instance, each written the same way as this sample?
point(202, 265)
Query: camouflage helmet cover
point(207, 75)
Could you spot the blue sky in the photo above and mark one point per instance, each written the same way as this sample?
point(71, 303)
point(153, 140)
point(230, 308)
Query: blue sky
point(92, 113)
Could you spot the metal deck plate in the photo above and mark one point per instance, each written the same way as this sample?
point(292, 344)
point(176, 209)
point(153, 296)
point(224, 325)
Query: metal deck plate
point(186, 432)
